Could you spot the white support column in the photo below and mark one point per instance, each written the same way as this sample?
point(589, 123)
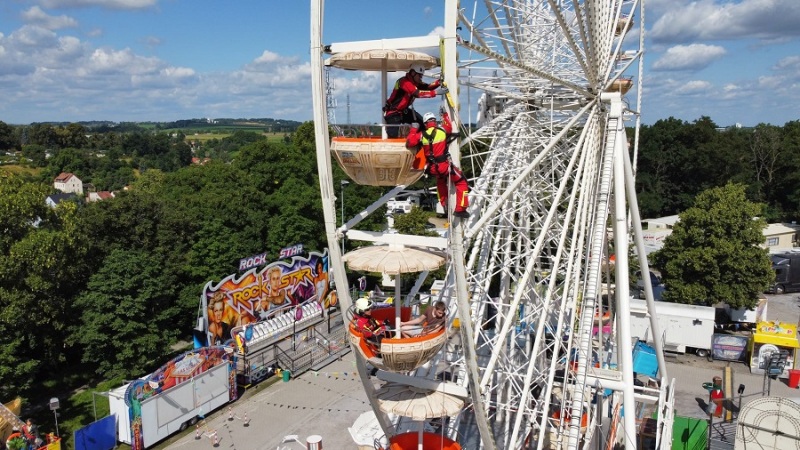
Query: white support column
point(624, 347)
point(329, 195)
point(644, 266)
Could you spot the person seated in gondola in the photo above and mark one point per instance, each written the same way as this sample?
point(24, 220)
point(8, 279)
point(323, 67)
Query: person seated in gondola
point(371, 329)
point(431, 321)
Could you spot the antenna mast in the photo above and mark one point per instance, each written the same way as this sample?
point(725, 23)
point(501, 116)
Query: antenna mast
point(330, 100)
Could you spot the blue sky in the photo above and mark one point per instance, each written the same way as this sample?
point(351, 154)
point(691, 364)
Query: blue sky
point(163, 60)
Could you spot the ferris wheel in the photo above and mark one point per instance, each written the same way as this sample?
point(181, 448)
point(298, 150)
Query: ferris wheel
point(551, 94)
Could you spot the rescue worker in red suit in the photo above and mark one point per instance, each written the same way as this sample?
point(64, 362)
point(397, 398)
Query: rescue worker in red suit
point(371, 329)
point(398, 108)
point(433, 141)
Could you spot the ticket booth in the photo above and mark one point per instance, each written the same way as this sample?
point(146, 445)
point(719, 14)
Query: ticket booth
point(773, 337)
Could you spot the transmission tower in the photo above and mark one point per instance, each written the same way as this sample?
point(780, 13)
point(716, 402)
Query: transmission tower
point(348, 109)
point(330, 100)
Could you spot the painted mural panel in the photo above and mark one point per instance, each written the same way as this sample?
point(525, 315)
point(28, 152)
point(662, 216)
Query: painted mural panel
point(240, 300)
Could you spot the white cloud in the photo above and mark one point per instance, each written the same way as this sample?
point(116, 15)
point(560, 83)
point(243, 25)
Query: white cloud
point(32, 37)
point(36, 16)
point(689, 57)
point(110, 4)
point(694, 87)
point(267, 57)
point(788, 63)
point(770, 82)
point(104, 60)
point(685, 21)
point(151, 41)
point(785, 79)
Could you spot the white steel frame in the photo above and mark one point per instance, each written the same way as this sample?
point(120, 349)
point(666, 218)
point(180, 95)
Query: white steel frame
point(552, 171)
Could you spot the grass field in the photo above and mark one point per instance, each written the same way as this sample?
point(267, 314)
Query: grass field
point(20, 170)
point(203, 136)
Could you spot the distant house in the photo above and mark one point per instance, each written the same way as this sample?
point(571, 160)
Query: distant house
point(55, 199)
point(97, 196)
point(67, 182)
point(654, 231)
point(779, 237)
point(660, 223)
point(201, 161)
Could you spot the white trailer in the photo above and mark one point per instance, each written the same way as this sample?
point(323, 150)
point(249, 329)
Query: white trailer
point(682, 326)
point(188, 387)
point(749, 316)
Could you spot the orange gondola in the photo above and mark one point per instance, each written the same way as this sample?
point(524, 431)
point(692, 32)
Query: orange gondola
point(605, 317)
point(566, 416)
point(397, 355)
point(376, 162)
point(622, 85)
point(430, 441)
point(623, 25)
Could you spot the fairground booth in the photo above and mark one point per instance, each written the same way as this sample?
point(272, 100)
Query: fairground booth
point(771, 339)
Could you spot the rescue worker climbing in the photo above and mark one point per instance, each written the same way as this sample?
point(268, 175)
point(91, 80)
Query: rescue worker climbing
point(433, 141)
point(399, 106)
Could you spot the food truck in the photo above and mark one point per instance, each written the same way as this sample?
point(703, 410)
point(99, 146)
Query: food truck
point(773, 337)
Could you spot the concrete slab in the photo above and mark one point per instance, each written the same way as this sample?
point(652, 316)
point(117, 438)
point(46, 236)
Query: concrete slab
point(323, 403)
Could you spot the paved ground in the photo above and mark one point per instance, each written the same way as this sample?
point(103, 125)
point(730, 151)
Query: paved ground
point(691, 371)
point(326, 403)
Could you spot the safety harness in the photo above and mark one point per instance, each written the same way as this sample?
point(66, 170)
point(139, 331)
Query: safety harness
point(397, 95)
point(429, 134)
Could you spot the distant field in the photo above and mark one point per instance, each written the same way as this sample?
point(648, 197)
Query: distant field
point(19, 170)
point(207, 136)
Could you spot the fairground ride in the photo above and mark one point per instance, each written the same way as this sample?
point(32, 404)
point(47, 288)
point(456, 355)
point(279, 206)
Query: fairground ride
point(554, 89)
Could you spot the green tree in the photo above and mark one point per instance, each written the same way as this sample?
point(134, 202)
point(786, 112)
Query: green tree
point(43, 134)
point(121, 319)
point(416, 222)
point(7, 139)
point(42, 266)
point(36, 153)
point(786, 191)
point(73, 135)
point(713, 254)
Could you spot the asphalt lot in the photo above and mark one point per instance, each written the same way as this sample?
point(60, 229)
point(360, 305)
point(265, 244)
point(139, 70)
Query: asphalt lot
point(326, 403)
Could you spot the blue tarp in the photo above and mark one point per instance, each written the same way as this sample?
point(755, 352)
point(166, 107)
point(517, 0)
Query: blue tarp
point(100, 435)
point(644, 360)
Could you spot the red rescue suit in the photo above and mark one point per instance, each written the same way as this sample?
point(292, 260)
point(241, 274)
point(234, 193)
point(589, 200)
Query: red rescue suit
point(433, 141)
point(717, 399)
point(398, 109)
point(369, 327)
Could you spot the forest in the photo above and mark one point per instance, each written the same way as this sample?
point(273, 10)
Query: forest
point(104, 290)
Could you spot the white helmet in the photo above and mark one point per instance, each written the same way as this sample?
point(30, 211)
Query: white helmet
point(428, 116)
point(419, 68)
point(363, 304)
